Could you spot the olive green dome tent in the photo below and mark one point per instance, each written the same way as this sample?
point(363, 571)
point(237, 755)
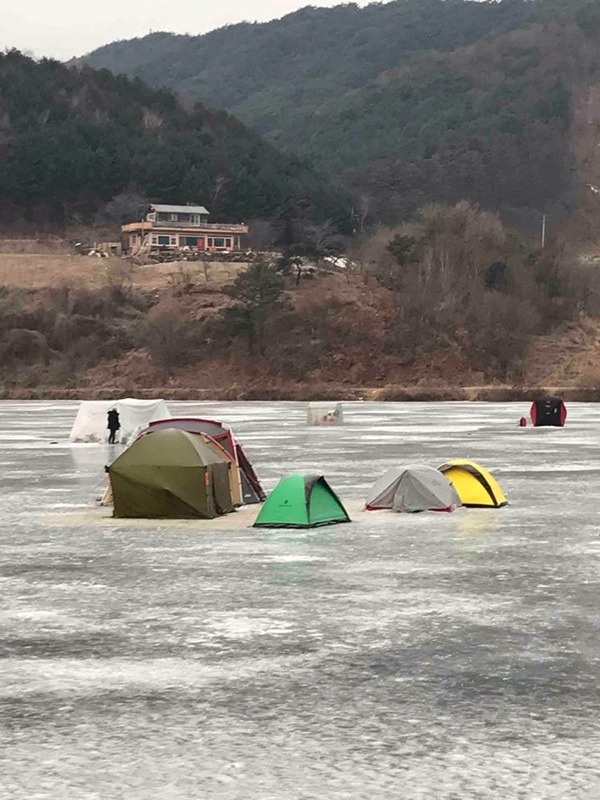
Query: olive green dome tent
point(301, 501)
point(170, 474)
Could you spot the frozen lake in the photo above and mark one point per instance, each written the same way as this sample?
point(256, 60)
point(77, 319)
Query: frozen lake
point(418, 657)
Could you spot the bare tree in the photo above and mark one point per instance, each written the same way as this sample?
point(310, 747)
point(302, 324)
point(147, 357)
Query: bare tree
point(320, 239)
point(261, 236)
point(126, 206)
point(363, 209)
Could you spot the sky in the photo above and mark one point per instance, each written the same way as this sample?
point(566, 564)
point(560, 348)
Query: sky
point(65, 28)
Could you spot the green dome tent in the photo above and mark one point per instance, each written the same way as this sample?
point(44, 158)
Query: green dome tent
point(170, 474)
point(301, 501)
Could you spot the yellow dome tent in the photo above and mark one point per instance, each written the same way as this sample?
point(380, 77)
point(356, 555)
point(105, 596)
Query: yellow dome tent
point(476, 487)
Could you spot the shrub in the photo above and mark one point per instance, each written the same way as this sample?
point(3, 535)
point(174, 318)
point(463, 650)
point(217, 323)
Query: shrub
point(21, 345)
point(171, 339)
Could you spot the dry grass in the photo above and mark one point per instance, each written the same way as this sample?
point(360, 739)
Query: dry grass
point(46, 246)
point(568, 357)
point(195, 274)
point(42, 270)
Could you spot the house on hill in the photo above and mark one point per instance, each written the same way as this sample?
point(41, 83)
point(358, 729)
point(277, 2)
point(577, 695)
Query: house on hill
point(167, 227)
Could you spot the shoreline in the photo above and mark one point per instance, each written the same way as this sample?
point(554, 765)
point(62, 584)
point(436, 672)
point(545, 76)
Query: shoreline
point(306, 393)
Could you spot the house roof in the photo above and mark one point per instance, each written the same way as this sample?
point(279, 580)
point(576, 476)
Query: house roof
point(162, 209)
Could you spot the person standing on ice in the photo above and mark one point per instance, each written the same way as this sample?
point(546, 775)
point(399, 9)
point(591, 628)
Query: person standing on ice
point(113, 424)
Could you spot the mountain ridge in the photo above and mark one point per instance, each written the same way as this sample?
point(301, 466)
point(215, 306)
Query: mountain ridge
point(404, 103)
point(347, 43)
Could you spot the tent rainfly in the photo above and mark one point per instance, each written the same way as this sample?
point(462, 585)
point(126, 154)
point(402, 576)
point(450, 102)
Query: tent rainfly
point(170, 474)
point(550, 411)
point(476, 487)
point(235, 483)
point(418, 488)
point(301, 501)
point(91, 421)
point(252, 491)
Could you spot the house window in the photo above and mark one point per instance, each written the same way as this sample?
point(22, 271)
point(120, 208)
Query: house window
point(192, 241)
point(164, 240)
point(173, 217)
point(195, 219)
point(228, 243)
point(219, 242)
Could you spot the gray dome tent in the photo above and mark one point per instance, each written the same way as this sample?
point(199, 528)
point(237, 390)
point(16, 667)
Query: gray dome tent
point(413, 489)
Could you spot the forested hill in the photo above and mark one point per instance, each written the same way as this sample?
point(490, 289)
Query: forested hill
point(498, 123)
point(405, 102)
point(298, 63)
point(72, 139)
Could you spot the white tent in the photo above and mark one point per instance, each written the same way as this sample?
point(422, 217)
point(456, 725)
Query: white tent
point(321, 414)
point(92, 417)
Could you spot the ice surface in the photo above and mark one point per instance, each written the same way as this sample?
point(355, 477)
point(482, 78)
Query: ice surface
point(418, 657)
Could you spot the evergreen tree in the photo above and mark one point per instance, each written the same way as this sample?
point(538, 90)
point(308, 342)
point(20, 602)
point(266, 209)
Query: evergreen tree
point(77, 138)
point(257, 293)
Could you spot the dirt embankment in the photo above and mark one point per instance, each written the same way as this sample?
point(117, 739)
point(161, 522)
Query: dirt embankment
point(54, 270)
point(334, 344)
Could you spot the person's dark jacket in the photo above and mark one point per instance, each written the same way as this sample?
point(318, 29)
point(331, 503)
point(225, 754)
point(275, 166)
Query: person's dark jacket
point(113, 420)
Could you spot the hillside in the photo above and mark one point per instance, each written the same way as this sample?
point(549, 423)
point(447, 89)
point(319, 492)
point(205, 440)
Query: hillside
point(272, 73)
point(451, 300)
point(105, 336)
point(403, 103)
point(73, 139)
point(493, 123)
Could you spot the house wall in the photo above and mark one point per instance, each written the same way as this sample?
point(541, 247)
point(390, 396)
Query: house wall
point(204, 240)
point(182, 219)
point(207, 237)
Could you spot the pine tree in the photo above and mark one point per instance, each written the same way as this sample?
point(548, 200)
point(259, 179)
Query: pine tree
point(257, 293)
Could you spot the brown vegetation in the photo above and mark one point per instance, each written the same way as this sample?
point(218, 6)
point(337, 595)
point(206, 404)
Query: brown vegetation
point(451, 306)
